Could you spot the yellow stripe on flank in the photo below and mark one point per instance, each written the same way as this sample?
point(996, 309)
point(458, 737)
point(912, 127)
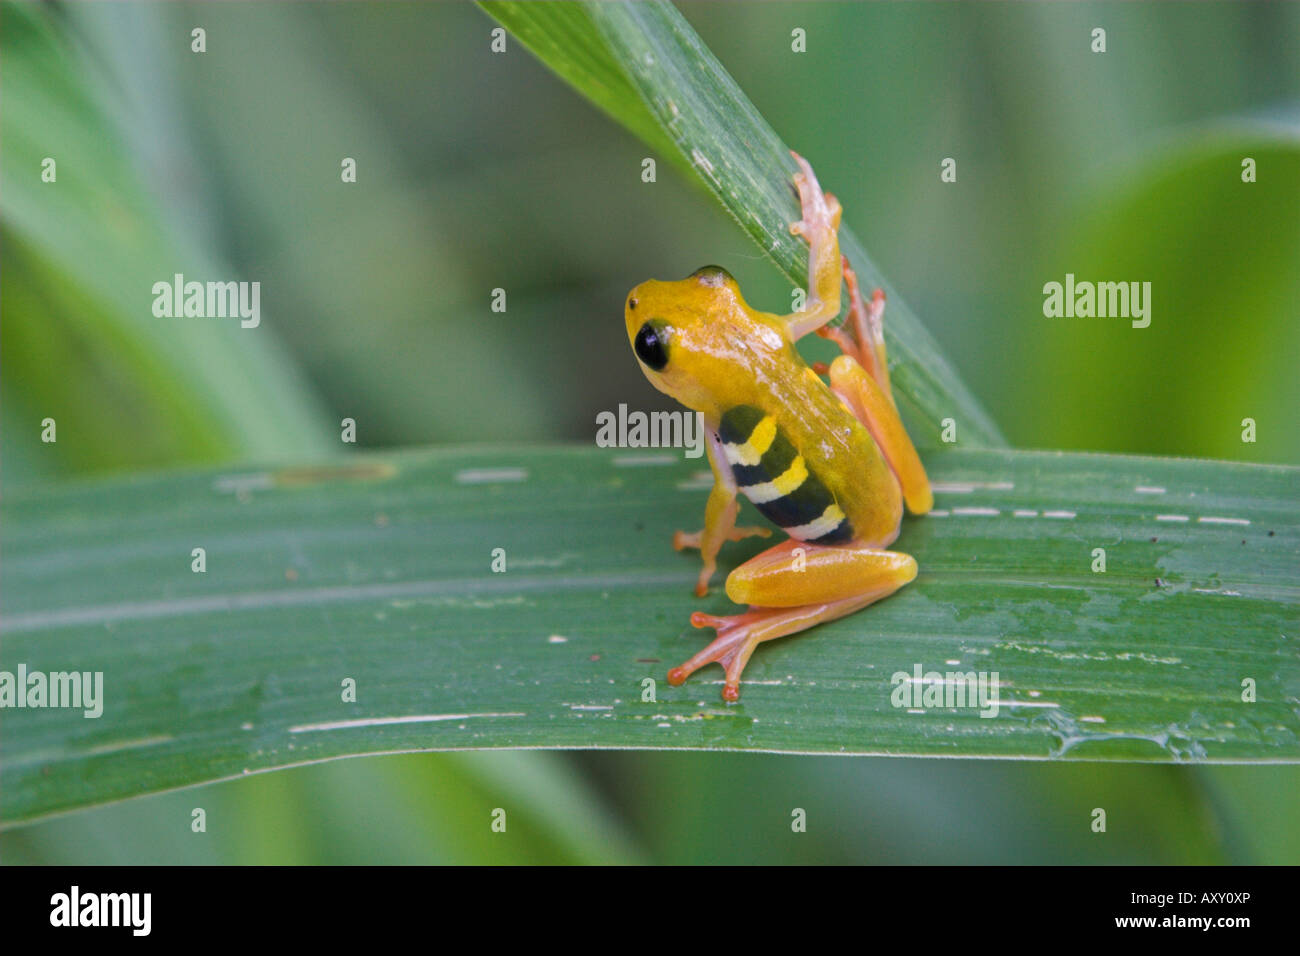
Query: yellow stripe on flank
point(828, 522)
point(760, 440)
point(794, 476)
point(788, 481)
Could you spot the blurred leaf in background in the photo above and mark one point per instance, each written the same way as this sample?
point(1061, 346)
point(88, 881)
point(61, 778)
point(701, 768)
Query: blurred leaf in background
point(81, 344)
point(478, 171)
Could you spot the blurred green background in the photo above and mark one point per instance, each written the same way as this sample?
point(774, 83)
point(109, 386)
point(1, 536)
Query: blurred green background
point(478, 171)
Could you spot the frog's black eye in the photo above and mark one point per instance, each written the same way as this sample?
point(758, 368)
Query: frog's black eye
point(712, 275)
point(652, 344)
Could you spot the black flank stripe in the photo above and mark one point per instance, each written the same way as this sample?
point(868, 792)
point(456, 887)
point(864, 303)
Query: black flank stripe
point(749, 474)
point(779, 456)
point(772, 465)
point(806, 503)
point(739, 423)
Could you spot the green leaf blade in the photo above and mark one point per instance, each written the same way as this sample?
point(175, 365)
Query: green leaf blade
point(380, 571)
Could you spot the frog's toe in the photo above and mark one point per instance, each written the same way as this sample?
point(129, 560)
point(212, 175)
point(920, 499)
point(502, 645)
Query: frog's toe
point(686, 539)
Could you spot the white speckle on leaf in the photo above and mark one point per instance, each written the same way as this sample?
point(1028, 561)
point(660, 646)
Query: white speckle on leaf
point(636, 461)
point(482, 476)
point(706, 167)
point(384, 721)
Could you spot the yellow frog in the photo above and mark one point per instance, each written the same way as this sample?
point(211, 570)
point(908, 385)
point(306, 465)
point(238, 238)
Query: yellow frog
point(831, 466)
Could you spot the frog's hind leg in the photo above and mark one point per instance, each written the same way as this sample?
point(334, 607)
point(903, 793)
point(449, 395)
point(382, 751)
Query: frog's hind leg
point(868, 323)
point(873, 406)
point(862, 337)
point(790, 588)
point(739, 634)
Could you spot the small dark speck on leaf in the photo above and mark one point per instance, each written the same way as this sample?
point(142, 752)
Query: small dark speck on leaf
point(648, 660)
point(1270, 534)
point(639, 526)
point(1159, 583)
point(1154, 540)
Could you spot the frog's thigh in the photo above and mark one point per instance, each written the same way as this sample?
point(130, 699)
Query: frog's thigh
point(850, 381)
point(794, 573)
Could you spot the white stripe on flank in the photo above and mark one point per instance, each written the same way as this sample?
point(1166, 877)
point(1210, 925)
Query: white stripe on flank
point(828, 522)
point(383, 721)
point(755, 445)
point(1171, 517)
point(762, 494)
point(1149, 490)
point(1025, 513)
point(1058, 514)
point(1223, 520)
point(740, 454)
point(989, 512)
point(766, 491)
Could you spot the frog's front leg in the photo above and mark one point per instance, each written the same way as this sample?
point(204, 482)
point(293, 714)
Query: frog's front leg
point(862, 336)
point(719, 517)
point(791, 587)
point(819, 225)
